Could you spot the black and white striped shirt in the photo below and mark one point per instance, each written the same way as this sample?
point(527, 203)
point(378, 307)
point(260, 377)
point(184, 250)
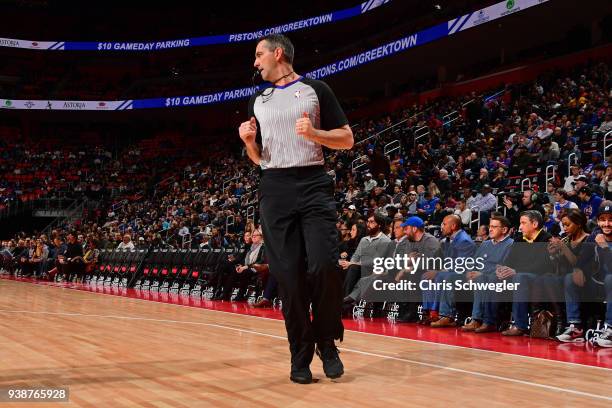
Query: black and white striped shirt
point(276, 111)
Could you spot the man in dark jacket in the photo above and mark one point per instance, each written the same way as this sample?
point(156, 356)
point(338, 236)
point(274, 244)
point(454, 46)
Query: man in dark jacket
point(70, 262)
point(527, 261)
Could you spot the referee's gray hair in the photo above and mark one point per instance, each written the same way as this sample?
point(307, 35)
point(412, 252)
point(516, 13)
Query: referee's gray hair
point(280, 41)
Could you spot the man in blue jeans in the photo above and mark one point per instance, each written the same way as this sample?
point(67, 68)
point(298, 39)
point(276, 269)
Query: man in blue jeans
point(494, 252)
point(600, 251)
point(527, 261)
point(458, 244)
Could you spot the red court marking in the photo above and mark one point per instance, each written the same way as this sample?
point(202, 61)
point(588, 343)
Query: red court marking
point(523, 346)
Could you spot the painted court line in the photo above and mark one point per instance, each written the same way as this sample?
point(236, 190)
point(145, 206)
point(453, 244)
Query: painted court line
point(382, 356)
point(80, 289)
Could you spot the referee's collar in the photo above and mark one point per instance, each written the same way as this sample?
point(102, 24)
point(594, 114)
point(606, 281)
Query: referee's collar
point(290, 83)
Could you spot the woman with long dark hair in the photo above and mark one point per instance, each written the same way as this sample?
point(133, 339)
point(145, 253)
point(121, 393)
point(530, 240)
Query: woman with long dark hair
point(568, 252)
point(358, 231)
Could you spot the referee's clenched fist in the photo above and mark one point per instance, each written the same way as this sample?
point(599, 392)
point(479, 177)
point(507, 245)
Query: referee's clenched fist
point(248, 130)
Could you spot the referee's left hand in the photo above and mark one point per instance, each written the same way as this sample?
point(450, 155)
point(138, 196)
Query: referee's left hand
point(303, 127)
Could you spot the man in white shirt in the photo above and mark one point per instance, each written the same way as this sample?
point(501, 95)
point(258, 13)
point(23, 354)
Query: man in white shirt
point(126, 243)
point(368, 184)
point(184, 230)
point(485, 201)
point(571, 179)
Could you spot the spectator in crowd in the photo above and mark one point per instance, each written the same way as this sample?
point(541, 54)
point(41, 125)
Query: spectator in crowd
point(70, 262)
point(589, 202)
point(365, 284)
point(457, 244)
point(227, 274)
point(368, 184)
point(417, 243)
point(562, 204)
point(567, 253)
point(529, 201)
point(361, 265)
point(464, 213)
point(494, 252)
point(126, 243)
point(524, 264)
point(602, 237)
point(348, 248)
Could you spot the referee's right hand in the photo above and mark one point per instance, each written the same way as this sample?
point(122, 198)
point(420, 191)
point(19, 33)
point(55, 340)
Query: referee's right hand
point(248, 131)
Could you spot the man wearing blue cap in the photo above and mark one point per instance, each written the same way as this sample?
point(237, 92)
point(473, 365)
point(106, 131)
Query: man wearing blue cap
point(417, 243)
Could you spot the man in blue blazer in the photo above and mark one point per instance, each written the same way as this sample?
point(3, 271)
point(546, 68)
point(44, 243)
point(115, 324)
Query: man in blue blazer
point(456, 244)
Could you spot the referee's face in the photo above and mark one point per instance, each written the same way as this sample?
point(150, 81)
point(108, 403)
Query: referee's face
point(265, 60)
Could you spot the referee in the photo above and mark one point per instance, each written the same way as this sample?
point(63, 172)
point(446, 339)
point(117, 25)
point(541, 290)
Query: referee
point(290, 120)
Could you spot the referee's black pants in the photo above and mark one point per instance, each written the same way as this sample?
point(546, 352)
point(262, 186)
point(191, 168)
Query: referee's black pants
point(298, 218)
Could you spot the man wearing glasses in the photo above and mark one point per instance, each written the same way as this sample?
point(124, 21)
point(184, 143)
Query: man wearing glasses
point(494, 252)
point(411, 204)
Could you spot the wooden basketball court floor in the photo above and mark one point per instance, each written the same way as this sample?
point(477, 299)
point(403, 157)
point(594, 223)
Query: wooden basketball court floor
point(112, 351)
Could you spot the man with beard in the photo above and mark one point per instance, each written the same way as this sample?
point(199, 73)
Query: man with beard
point(374, 245)
point(364, 287)
point(417, 243)
point(599, 249)
point(603, 240)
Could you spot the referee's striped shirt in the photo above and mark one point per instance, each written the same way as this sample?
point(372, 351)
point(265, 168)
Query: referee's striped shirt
point(276, 111)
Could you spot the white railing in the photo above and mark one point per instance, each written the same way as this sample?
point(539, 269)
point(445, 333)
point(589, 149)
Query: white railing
point(420, 133)
point(474, 209)
point(229, 221)
point(250, 213)
point(569, 162)
point(450, 118)
point(391, 147)
point(550, 174)
point(528, 181)
point(186, 240)
point(359, 163)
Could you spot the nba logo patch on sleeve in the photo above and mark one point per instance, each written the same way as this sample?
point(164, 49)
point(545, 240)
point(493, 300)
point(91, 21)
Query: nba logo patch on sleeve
point(297, 93)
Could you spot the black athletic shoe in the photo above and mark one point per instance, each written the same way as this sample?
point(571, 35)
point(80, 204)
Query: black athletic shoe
point(332, 365)
point(301, 375)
